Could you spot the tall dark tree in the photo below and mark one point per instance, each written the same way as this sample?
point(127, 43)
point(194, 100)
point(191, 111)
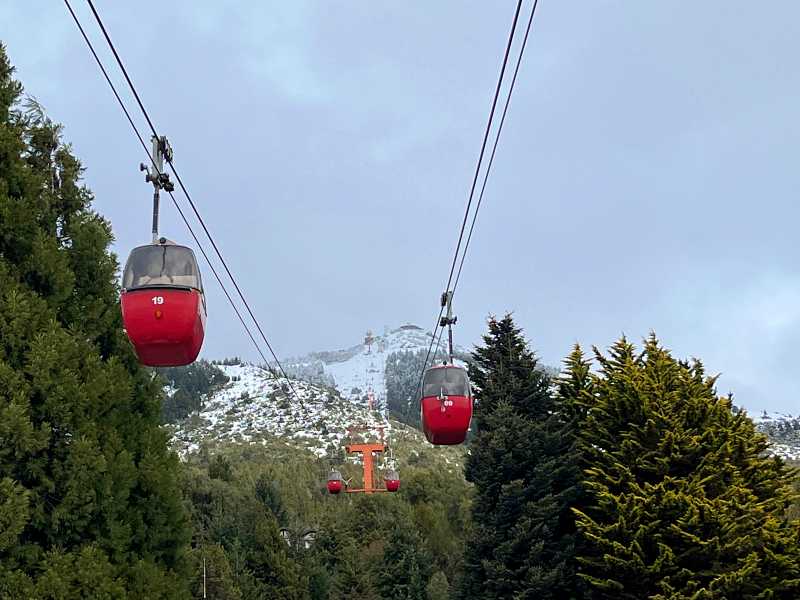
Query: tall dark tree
point(211, 572)
point(88, 494)
point(685, 503)
point(524, 466)
point(229, 512)
point(405, 567)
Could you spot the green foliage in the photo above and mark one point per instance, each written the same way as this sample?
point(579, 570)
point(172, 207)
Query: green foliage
point(74, 574)
point(233, 524)
point(14, 513)
point(438, 587)
point(191, 384)
point(524, 465)
point(232, 361)
point(220, 468)
point(362, 542)
point(793, 512)
point(684, 502)
point(352, 577)
point(268, 493)
point(219, 576)
point(440, 503)
point(405, 568)
point(88, 493)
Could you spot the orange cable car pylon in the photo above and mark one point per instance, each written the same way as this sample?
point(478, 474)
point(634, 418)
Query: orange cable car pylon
point(368, 451)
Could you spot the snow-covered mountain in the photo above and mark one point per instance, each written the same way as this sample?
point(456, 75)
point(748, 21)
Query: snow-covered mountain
point(783, 430)
point(256, 408)
point(360, 370)
point(255, 403)
point(337, 390)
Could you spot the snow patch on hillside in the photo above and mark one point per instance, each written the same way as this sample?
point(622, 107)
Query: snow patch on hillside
point(255, 404)
point(783, 431)
point(360, 370)
point(771, 417)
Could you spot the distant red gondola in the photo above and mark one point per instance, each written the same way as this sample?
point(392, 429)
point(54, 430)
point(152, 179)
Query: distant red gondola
point(163, 306)
point(392, 481)
point(335, 482)
point(446, 405)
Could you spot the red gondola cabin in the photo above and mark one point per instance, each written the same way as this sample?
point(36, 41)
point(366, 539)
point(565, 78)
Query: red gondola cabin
point(446, 405)
point(392, 481)
point(335, 482)
point(163, 307)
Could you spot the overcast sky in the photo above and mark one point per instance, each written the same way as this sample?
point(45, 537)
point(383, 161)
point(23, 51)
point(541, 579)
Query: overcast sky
point(647, 178)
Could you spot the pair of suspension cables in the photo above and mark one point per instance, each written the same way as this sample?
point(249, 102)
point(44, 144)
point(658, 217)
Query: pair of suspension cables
point(449, 293)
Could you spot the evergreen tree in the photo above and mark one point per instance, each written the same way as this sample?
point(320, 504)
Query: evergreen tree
point(352, 579)
point(405, 568)
point(88, 495)
point(278, 576)
point(268, 493)
point(228, 512)
point(210, 563)
point(524, 465)
point(220, 468)
point(438, 587)
point(685, 503)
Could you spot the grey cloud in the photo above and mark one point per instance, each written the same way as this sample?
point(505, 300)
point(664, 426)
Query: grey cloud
point(646, 178)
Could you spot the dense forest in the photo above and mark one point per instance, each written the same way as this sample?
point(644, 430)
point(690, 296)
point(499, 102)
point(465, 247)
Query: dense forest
point(626, 476)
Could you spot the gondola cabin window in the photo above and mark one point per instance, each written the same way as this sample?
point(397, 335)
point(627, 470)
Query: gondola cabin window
point(446, 381)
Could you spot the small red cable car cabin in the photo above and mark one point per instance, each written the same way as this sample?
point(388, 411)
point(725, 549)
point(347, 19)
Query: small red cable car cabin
point(446, 405)
point(163, 307)
point(392, 481)
point(335, 482)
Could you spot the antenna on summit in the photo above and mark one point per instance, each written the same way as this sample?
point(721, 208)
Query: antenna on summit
point(368, 340)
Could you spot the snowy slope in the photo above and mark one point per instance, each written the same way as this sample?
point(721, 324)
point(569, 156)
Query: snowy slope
point(254, 407)
point(254, 403)
point(783, 430)
point(361, 369)
point(765, 418)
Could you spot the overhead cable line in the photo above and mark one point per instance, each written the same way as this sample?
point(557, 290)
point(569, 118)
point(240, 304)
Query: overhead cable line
point(496, 140)
point(474, 181)
point(177, 206)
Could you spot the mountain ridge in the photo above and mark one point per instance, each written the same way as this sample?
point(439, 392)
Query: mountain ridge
point(345, 388)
